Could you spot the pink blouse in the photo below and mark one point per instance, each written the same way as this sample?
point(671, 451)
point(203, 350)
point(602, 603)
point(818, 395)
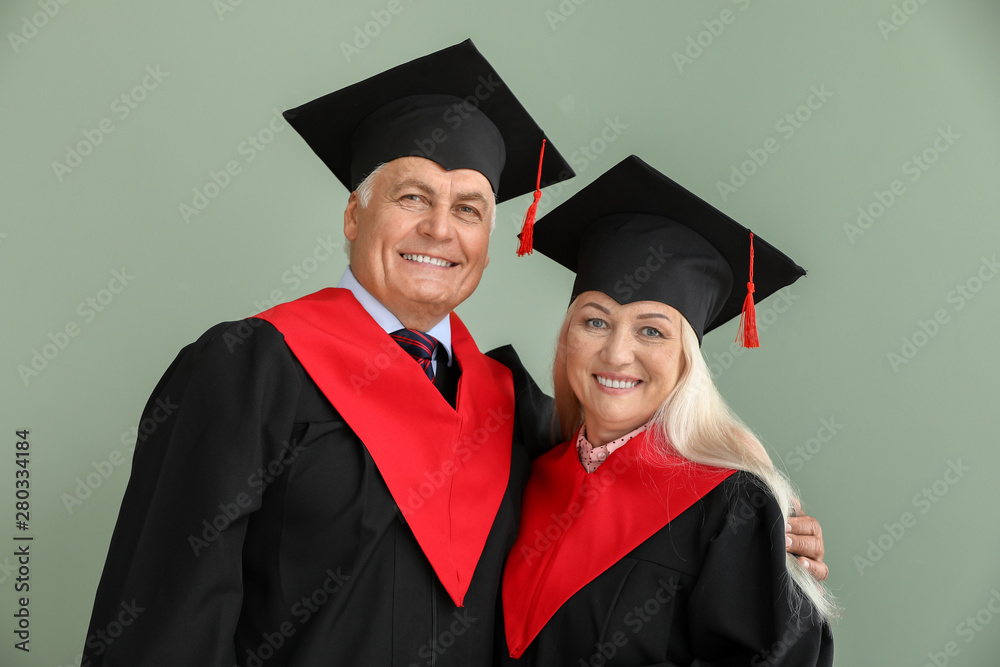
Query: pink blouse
point(591, 457)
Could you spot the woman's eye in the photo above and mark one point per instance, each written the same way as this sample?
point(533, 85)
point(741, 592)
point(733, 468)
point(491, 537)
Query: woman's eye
point(596, 323)
point(651, 332)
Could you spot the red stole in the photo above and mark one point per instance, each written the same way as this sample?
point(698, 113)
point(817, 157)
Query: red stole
point(447, 469)
point(576, 525)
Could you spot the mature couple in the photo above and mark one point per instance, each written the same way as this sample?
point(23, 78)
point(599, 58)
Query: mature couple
point(387, 532)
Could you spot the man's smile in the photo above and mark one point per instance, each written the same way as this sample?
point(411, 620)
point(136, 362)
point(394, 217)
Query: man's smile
point(427, 259)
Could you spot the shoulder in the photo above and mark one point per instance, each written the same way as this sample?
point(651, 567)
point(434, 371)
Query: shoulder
point(742, 488)
point(231, 336)
point(238, 348)
point(534, 409)
point(742, 502)
point(507, 355)
point(523, 382)
point(235, 375)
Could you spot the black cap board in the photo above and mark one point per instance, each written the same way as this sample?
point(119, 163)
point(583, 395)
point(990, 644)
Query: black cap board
point(636, 235)
point(450, 107)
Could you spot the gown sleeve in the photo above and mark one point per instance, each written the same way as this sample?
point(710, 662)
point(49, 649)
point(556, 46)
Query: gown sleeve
point(534, 409)
point(217, 422)
point(744, 609)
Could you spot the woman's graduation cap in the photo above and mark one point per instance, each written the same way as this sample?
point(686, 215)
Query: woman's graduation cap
point(450, 107)
point(636, 235)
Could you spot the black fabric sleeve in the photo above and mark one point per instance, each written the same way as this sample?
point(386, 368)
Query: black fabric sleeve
point(171, 590)
point(534, 409)
point(744, 609)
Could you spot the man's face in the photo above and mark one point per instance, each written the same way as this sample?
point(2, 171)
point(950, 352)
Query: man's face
point(422, 243)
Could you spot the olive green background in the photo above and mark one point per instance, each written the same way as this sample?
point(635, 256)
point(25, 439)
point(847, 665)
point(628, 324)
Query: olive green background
point(695, 88)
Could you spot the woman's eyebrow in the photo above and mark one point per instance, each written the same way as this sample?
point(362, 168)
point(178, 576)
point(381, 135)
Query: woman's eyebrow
point(598, 307)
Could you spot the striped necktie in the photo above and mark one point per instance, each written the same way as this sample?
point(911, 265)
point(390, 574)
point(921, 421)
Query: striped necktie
point(418, 345)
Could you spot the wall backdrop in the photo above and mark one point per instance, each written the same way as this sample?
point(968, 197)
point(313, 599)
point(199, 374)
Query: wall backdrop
point(150, 189)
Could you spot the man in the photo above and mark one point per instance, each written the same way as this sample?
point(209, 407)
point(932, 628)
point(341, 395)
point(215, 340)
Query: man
point(319, 497)
point(316, 498)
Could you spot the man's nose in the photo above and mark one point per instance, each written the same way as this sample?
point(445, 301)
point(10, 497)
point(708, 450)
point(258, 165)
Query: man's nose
point(436, 223)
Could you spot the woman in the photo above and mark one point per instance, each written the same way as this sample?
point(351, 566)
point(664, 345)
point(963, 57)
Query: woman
point(654, 535)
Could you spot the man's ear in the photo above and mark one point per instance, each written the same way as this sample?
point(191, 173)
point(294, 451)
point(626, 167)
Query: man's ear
point(351, 217)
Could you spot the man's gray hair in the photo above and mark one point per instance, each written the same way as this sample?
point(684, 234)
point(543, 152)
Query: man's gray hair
point(364, 190)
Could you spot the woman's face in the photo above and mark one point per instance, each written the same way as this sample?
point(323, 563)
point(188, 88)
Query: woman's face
point(622, 361)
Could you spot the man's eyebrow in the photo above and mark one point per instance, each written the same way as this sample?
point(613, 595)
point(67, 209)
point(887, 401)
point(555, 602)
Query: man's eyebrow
point(473, 195)
point(423, 186)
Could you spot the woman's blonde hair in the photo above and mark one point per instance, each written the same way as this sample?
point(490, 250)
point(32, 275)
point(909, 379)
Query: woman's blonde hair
point(695, 423)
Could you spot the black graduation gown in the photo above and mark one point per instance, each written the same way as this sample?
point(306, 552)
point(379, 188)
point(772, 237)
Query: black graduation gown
point(257, 530)
point(708, 588)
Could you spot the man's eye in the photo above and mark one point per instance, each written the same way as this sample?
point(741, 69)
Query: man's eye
point(413, 201)
point(469, 212)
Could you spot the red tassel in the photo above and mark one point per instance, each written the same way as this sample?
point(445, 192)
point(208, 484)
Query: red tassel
point(746, 335)
point(527, 229)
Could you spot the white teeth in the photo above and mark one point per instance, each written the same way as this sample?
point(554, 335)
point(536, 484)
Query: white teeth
point(615, 384)
point(427, 260)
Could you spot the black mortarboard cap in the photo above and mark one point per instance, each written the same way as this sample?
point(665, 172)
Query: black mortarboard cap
point(636, 235)
point(450, 107)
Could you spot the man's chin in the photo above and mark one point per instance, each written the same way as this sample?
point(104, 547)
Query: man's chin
point(439, 303)
point(425, 304)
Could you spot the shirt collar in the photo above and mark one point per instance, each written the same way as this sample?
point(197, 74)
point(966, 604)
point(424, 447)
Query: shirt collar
point(614, 444)
point(385, 319)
